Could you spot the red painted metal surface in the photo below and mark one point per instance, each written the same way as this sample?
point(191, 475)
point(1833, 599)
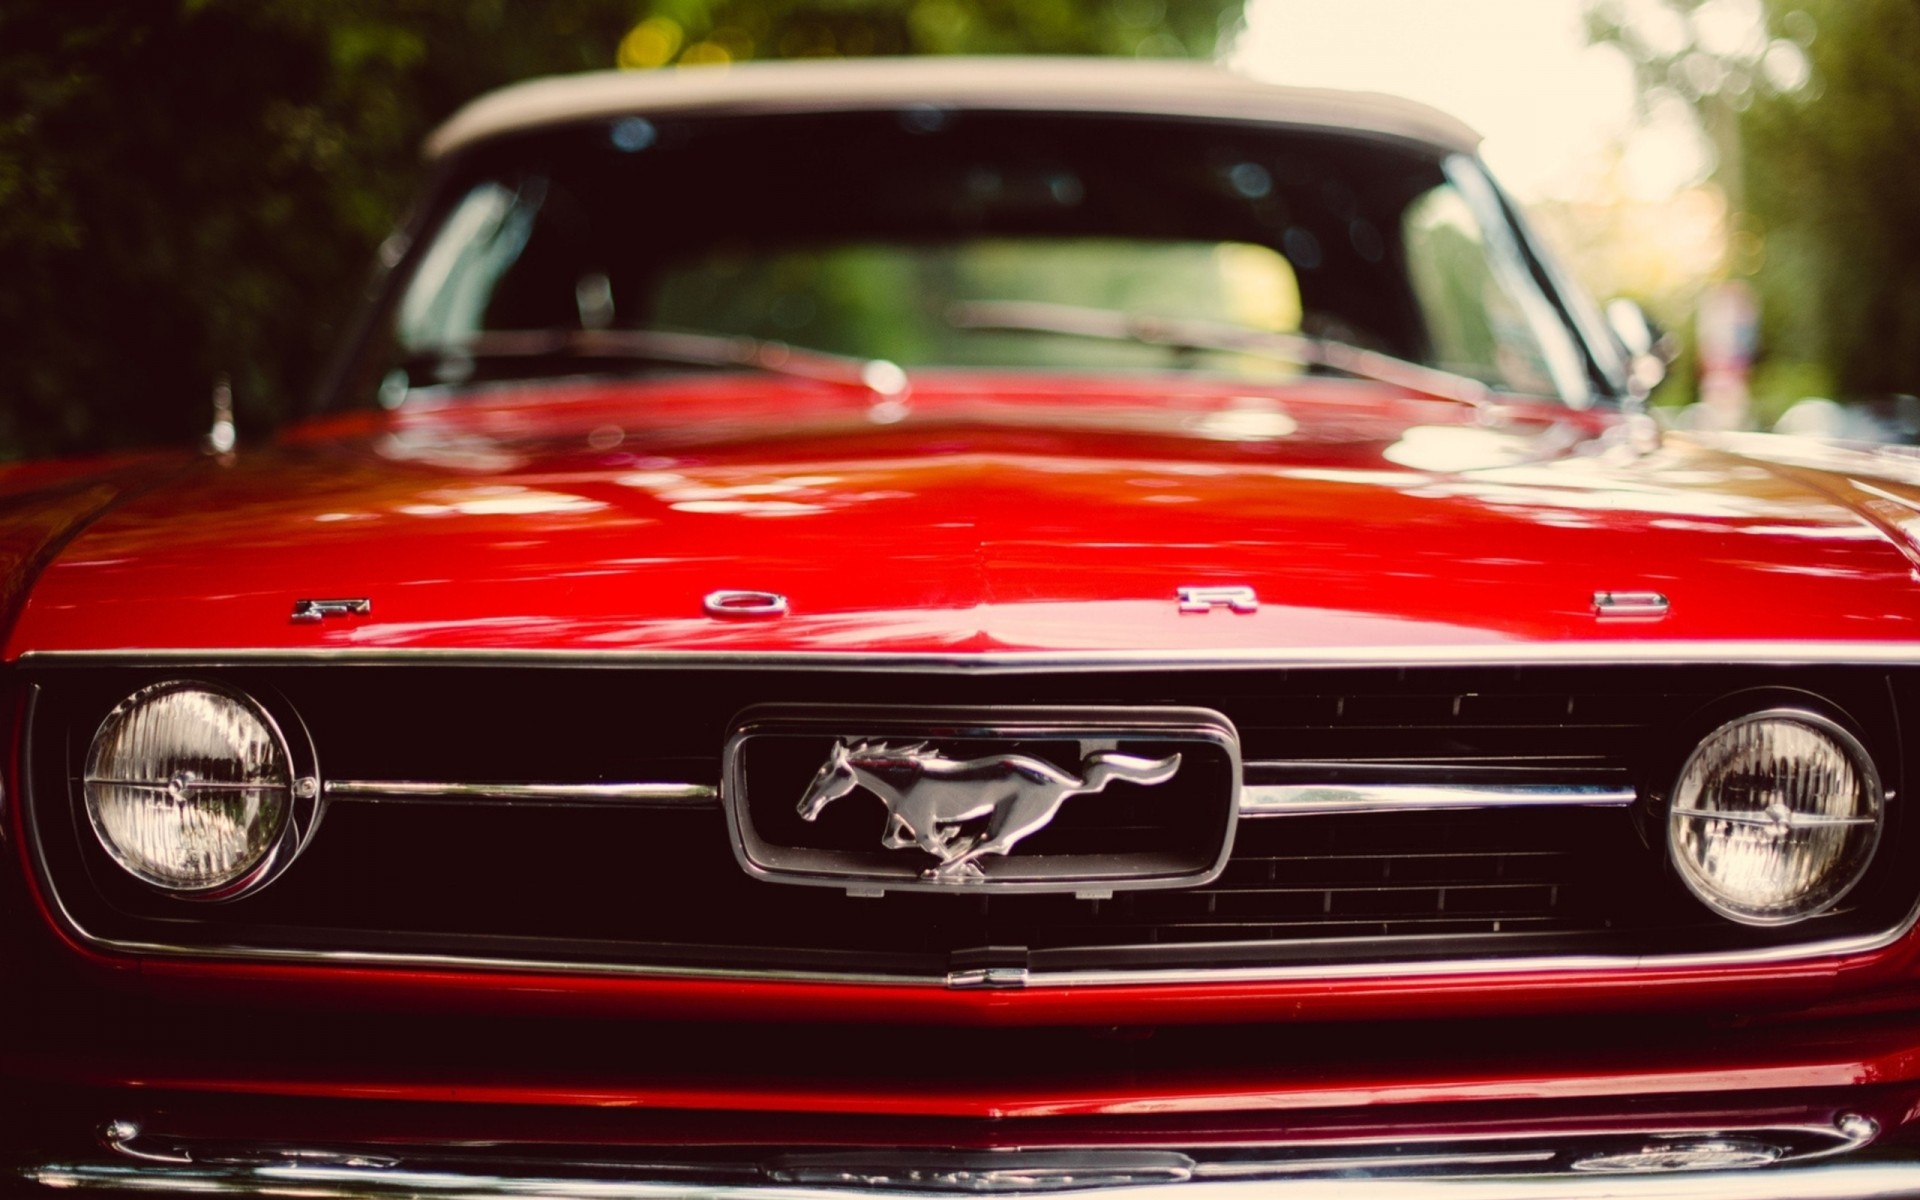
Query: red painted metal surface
point(320, 1121)
point(1462, 1064)
point(1002, 1102)
point(1404, 996)
point(1004, 514)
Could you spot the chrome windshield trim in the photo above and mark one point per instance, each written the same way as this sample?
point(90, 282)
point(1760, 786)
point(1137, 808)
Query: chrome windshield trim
point(1545, 654)
point(1327, 799)
point(663, 795)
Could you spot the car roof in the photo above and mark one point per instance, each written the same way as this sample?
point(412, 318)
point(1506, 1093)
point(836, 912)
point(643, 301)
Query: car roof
point(1105, 85)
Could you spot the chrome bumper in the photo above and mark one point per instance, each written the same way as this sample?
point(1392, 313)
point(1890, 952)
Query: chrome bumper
point(1831, 1180)
point(1822, 1155)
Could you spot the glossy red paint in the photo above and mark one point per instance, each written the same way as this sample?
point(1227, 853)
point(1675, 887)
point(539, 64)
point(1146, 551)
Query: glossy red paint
point(1003, 514)
point(1474, 1070)
point(45, 504)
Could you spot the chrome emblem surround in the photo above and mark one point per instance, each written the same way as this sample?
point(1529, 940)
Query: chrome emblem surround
point(929, 796)
point(953, 792)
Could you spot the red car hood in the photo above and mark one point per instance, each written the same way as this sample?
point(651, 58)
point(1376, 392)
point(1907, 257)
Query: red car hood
point(997, 517)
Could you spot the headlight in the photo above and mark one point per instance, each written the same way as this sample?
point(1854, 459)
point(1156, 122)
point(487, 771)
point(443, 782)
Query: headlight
point(1775, 817)
point(192, 787)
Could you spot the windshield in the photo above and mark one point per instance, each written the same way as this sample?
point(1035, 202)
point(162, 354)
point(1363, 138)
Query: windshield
point(883, 235)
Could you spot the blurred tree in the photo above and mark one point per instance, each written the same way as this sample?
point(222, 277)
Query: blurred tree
point(196, 187)
point(1812, 106)
point(697, 31)
point(191, 187)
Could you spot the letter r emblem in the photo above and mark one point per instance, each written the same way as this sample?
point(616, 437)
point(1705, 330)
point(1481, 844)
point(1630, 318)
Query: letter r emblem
point(1206, 599)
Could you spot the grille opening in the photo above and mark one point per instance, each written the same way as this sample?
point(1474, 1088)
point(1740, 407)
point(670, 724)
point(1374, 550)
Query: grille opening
point(661, 888)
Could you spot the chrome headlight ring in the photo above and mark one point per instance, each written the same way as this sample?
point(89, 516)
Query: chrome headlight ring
point(197, 790)
point(1775, 817)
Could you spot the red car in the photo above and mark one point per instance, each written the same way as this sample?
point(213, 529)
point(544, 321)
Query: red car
point(965, 627)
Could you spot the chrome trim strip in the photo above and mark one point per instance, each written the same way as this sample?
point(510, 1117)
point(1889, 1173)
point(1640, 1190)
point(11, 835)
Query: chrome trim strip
point(1324, 799)
point(1625, 965)
point(503, 966)
point(1256, 800)
point(1544, 654)
point(667, 795)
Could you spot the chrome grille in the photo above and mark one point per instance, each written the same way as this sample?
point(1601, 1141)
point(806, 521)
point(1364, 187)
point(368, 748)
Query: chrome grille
point(645, 884)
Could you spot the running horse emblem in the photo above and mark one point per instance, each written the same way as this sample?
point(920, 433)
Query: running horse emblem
point(929, 797)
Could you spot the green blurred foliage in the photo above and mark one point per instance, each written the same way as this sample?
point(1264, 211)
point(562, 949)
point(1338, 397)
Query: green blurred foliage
point(1834, 181)
point(197, 187)
point(1779, 382)
point(696, 31)
point(1814, 114)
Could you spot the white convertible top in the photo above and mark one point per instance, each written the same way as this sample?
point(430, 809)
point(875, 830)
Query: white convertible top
point(817, 85)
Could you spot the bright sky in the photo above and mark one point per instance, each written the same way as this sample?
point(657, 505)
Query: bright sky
point(1553, 109)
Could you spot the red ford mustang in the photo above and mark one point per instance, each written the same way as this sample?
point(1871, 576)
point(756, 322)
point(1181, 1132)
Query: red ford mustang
point(978, 628)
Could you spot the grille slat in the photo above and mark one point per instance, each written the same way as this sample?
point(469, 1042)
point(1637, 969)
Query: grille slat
point(1324, 928)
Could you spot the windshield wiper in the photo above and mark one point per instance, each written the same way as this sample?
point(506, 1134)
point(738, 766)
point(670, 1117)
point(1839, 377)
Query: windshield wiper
point(885, 380)
point(1181, 334)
